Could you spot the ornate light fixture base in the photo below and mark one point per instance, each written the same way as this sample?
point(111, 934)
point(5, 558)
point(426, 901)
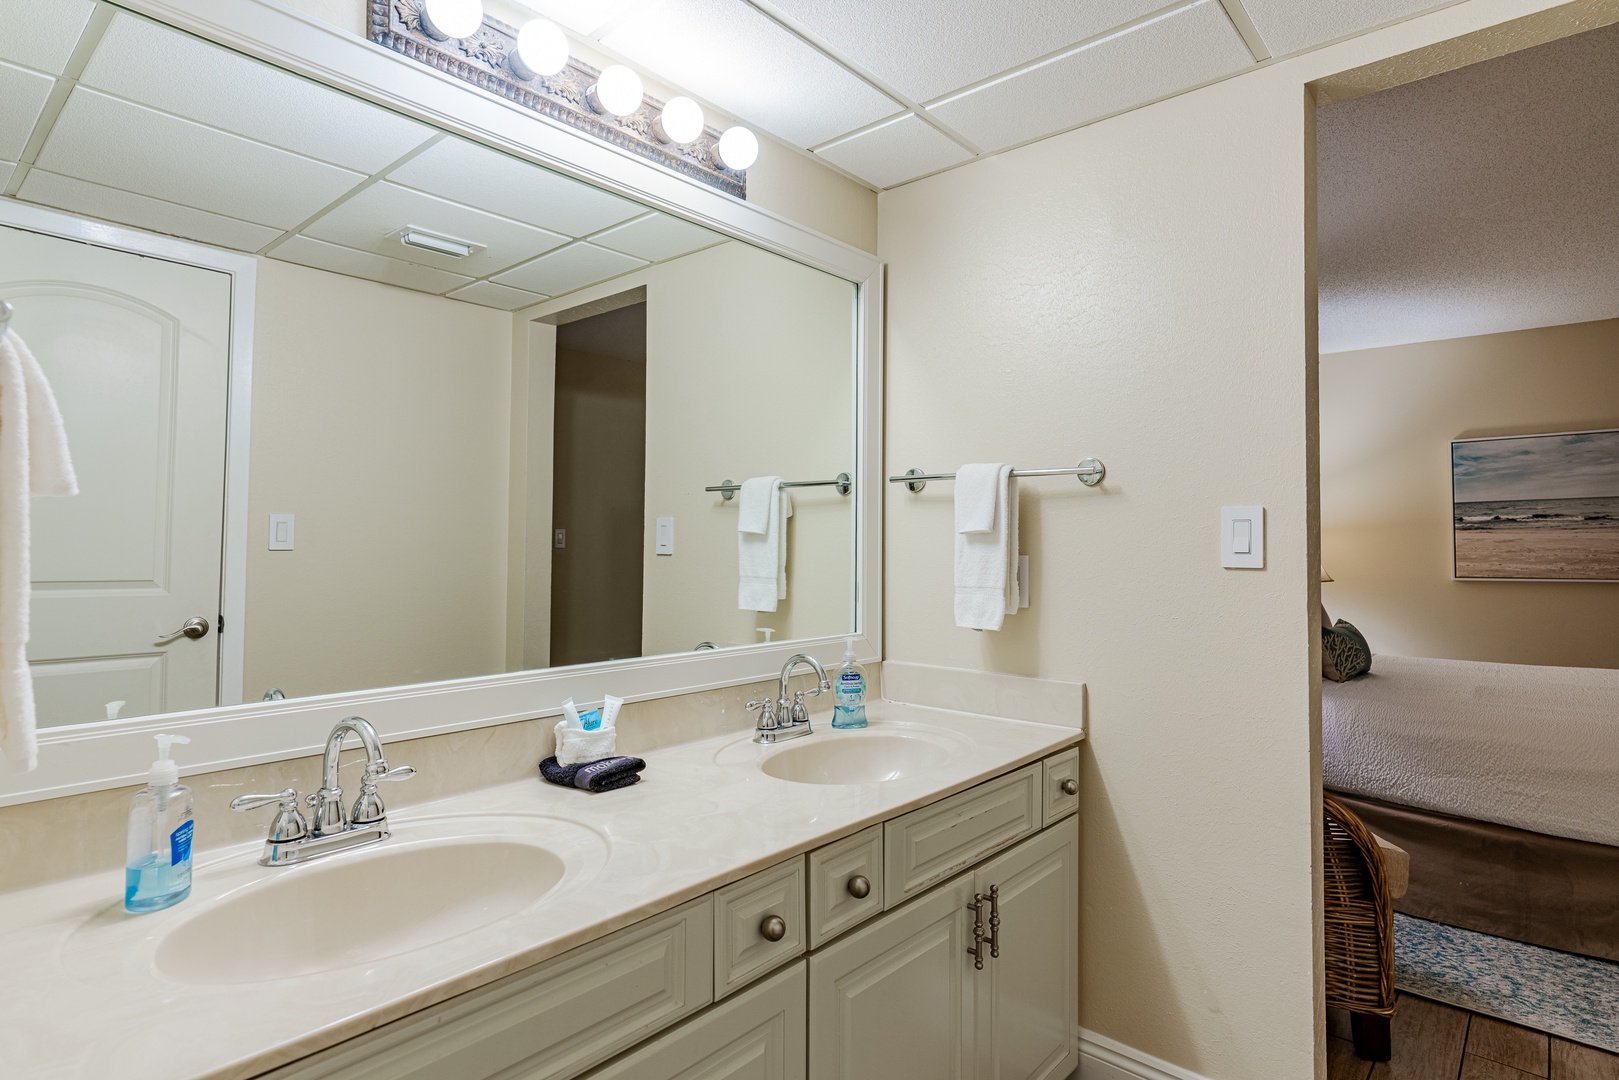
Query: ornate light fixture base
point(482, 61)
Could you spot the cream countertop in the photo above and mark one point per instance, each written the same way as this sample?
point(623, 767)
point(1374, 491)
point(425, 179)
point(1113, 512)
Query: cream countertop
point(82, 998)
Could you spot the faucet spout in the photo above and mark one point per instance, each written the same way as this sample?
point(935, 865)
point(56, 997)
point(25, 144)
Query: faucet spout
point(793, 663)
point(330, 817)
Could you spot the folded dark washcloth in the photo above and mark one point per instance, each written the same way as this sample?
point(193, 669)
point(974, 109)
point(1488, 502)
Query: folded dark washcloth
point(603, 775)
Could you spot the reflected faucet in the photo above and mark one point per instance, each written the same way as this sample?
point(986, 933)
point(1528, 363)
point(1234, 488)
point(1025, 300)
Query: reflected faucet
point(781, 719)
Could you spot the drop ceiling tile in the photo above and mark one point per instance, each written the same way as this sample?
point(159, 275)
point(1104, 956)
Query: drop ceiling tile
point(373, 219)
point(1176, 52)
point(749, 65)
point(110, 204)
point(41, 34)
point(924, 50)
point(489, 294)
point(342, 260)
point(24, 93)
point(582, 16)
point(6, 169)
point(573, 267)
point(478, 176)
point(657, 237)
point(1287, 26)
point(154, 65)
point(109, 141)
point(896, 151)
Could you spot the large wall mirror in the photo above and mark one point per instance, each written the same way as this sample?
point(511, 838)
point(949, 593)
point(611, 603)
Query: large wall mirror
point(487, 407)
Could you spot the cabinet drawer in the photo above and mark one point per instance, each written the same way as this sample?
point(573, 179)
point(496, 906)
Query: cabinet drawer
point(1062, 773)
point(837, 873)
point(760, 1032)
point(928, 845)
point(742, 951)
point(549, 1023)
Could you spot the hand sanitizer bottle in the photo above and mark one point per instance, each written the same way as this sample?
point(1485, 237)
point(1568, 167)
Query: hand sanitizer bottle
point(157, 862)
point(850, 687)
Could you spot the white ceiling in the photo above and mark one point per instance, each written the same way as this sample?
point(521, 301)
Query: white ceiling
point(1474, 202)
point(106, 115)
point(891, 90)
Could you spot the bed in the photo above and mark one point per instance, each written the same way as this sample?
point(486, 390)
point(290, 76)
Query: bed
point(1501, 780)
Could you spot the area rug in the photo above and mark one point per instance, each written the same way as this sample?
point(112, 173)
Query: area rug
point(1576, 997)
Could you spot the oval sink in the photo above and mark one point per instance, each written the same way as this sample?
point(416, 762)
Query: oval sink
point(357, 908)
point(869, 759)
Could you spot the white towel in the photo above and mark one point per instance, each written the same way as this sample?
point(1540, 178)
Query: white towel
point(986, 546)
point(761, 542)
point(33, 461)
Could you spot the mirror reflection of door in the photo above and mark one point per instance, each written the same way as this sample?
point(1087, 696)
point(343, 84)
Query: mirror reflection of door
point(137, 353)
point(599, 487)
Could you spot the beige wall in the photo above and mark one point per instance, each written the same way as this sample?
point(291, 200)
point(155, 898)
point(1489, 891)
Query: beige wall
point(380, 420)
point(1387, 418)
point(1140, 290)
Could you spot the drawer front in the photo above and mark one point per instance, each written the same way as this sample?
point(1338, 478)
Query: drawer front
point(742, 949)
point(1062, 785)
point(837, 873)
point(550, 1023)
point(761, 1033)
point(928, 845)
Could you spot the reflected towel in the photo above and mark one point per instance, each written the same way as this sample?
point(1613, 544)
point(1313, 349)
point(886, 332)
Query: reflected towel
point(597, 776)
point(34, 460)
point(761, 541)
point(986, 546)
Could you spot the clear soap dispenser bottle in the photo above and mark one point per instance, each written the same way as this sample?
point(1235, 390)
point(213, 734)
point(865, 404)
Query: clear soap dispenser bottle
point(157, 861)
point(850, 689)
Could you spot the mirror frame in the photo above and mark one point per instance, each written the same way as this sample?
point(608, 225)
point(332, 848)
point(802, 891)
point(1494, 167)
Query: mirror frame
point(90, 757)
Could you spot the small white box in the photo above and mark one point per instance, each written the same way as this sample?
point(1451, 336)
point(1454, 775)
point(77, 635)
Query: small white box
point(280, 532)
point(1242, 537)
point(666, 536)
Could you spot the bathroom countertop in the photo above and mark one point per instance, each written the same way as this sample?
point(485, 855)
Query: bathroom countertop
point(84, 999)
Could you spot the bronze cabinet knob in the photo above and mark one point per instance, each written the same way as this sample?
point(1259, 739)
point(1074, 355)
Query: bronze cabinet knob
point(1070, 787)
point(774, 928)
point(860, 886)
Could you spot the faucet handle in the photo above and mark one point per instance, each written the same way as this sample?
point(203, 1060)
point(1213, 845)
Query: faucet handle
point(767, 712)
point(380, 772)
point(289, 824)
point(368, 808)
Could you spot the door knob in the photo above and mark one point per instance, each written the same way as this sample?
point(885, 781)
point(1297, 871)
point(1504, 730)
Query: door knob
point(774, 928)
point(859, 886)
point(1070, 786)
point(193, 628)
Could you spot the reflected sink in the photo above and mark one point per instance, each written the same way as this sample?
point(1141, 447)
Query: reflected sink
point(869, 759)
point(357, 908)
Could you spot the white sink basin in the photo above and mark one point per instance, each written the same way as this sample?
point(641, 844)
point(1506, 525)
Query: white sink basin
point(855, 759)
point(357, 908)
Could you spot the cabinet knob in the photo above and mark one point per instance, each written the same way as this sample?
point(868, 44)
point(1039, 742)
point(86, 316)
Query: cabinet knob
point(1070, 786)
point(860, 886)
point(774, 928)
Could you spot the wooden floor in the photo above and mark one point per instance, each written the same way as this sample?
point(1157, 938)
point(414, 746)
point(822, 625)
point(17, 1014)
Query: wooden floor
point(1441, 1042)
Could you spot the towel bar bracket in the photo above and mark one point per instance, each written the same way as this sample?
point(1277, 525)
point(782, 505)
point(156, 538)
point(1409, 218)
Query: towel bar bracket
point(1090, 473)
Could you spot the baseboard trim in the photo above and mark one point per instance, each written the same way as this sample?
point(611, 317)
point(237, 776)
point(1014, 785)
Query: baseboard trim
point(1102, 1058)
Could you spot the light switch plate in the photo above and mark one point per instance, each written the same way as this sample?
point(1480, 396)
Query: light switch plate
point(281, 532)
point(666, 536)
point(1242, 537)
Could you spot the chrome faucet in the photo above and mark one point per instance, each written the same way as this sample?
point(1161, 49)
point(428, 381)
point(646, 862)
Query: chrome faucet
point(296, 839)
point(780, 718)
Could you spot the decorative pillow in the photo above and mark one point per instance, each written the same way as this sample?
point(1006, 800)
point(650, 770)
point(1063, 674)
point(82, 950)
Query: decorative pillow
point(1344, 652)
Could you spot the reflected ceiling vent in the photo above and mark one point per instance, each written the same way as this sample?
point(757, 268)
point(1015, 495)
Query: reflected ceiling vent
point(411, 236)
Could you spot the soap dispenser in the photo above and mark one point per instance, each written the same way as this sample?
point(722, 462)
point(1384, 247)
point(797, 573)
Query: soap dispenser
point(849, 686)
point(157, 862)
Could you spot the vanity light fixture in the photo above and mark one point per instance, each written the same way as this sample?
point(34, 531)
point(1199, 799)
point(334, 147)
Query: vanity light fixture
point(739, 148)
point(438, 245)
point(617, 90)
point(681, 121)
point(542, 50)
point(446, 19)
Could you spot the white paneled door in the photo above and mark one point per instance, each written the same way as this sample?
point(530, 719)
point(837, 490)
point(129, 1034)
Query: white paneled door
point(137, 351)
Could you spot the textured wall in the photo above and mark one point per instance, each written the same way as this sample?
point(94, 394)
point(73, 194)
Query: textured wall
point(1387, 418)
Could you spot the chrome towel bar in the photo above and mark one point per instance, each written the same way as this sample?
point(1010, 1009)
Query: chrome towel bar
point(1090, 473)
point(729, 488)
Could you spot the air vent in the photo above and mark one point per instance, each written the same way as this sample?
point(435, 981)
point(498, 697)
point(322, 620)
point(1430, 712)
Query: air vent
point(438, 245)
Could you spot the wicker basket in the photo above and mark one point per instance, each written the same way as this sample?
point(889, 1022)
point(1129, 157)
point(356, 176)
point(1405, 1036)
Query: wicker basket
point(1359, 915)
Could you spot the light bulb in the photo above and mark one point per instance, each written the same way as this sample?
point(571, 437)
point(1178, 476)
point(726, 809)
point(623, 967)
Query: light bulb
point(738, 148)
point(444, 19)
point(542, 49)
point(681, 121)
point(617, 91)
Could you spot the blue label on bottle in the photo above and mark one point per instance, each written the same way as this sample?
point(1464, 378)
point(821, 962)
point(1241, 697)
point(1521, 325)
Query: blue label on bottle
point(591, 720)
point(180, 844)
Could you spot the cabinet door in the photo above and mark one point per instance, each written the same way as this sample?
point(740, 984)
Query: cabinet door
point(757, 1034)
point(1028, 996)
point(893, 1000)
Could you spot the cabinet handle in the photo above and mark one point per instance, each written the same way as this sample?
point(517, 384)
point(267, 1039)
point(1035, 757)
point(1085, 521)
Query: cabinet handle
point(774, 928)
point(1070, 786)
point(860, 886)
point(977, 950)
point(995, 922)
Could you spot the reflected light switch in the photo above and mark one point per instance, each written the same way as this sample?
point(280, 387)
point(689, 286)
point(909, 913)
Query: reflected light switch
point(666, 536)
point(1242, 537)
point(280, 532)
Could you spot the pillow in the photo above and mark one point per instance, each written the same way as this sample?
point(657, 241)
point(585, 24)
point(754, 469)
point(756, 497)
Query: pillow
point(1344, 652)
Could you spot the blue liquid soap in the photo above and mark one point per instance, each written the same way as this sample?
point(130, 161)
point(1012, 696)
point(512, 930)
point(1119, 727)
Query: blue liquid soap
point(849, 686)
point(155, 883)
point(157, 854)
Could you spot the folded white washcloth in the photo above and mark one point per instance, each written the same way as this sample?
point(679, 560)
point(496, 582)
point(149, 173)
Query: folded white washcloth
point(34, 460)
point(986, 558)
point(576, 747)
point(761, 540)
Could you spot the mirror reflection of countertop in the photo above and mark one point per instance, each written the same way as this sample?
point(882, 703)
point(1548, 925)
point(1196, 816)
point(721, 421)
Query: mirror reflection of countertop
point(262, 966)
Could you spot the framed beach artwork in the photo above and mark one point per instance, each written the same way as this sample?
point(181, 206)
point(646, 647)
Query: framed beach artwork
point(1536, 507)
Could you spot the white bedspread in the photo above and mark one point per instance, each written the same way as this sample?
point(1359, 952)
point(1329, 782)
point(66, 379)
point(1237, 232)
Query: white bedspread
point(1532, 747)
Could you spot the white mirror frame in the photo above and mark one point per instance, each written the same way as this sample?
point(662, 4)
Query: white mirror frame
point(90, 757)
